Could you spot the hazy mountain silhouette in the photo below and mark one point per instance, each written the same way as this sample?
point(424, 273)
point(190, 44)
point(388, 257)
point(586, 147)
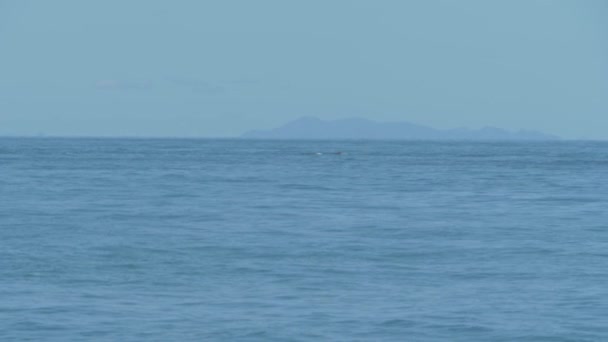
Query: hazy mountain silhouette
point(357, 128)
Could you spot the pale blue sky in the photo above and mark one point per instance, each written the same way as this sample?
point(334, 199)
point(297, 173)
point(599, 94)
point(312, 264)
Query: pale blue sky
point(220, 67)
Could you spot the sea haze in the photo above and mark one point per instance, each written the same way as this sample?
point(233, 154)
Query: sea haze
point(359, 128)
point(255, 240)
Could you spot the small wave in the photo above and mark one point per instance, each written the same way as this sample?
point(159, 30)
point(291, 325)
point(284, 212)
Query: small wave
point(335, 153)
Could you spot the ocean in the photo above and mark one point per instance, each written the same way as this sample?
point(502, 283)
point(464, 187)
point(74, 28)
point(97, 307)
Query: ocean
point(252, 240)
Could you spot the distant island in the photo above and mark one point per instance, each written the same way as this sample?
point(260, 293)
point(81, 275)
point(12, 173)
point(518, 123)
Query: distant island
point(358, 128)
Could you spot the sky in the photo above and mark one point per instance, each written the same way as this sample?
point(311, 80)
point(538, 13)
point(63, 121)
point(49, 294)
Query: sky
point(217, 68)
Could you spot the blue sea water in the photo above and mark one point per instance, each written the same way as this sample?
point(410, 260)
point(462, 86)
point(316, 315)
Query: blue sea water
point(236, 240)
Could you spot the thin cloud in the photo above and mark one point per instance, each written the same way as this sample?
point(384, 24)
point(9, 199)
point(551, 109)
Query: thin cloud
point(190, 84)
point(112, 84)
point(195, 85)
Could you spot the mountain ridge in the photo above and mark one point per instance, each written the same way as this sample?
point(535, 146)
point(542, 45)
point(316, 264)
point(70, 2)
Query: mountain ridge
point(313, 128)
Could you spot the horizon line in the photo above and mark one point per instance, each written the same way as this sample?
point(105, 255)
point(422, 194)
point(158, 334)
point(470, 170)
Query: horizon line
point(192, 137)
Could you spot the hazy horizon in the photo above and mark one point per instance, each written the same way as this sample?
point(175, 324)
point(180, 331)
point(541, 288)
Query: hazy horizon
point(243, 135)
point(221, 68)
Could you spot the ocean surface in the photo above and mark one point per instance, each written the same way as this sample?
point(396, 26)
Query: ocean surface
point(244, 240)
